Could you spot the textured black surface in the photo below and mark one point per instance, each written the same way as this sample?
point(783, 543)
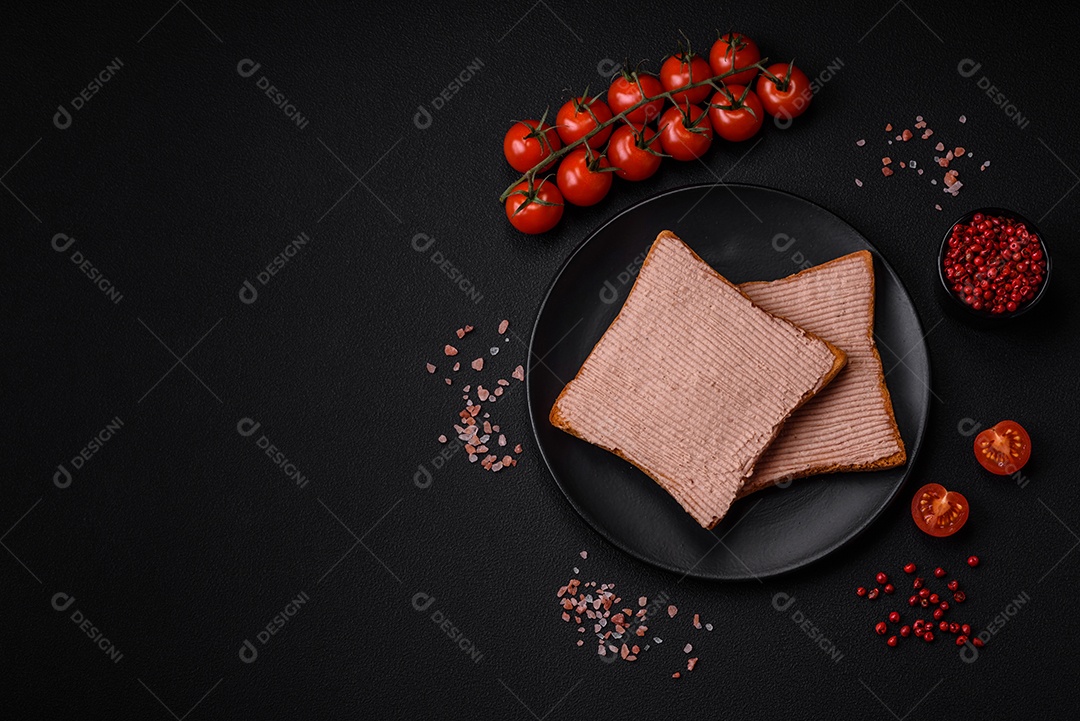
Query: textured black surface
point(179, 539)
point(745, 233)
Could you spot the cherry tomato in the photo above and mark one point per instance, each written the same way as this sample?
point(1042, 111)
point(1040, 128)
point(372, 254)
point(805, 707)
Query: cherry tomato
point(731, 51)
point(629, 152)
point(1003, 449)
point(578, 116)
point(581, 179)
point(788, 98)
point(624, 92)
point(937, 511)
point(736, 113)
point(682, 69)
point(527, 143)
point(684, 140)
point(539, 214)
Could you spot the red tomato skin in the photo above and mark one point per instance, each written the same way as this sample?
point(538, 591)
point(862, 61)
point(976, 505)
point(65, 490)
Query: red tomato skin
point(633, 163)
point(624, 93)
point(789, 103)
point(677, 72)
point(739, 125)
point(1003, 428)
point(679, 142)
point(524, 153)
point(578, 184)
point(535, 218)
point(573, 124)
point(721, 59)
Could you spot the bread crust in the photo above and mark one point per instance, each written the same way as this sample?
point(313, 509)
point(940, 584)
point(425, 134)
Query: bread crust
point(556, 418)
point(896, 459)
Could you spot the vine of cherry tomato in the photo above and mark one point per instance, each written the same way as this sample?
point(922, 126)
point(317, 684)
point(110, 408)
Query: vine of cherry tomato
point(641, 119)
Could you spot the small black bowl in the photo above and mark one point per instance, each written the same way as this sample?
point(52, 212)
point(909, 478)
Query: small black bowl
point(984, 317)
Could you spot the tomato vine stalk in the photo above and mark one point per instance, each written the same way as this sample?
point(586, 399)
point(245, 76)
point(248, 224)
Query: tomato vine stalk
point(529, 175)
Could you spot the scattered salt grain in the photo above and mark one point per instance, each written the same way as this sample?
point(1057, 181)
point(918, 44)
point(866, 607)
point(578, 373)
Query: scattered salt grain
point(963, 118)
point(494, 350)
point(503, 326)
point(478, 364)
point(450, 350)
point(888, 128)
point(584, 554)
point(697, 620)
point(502, 440)
point(687, 648)
point(519, 373)
point(860, 143)
point(691, 663)
point(442, 439)
point(671, 611)
point(430, 368)
point(448, 381)
point(708, 627)
point(457, 366)
point(858, 182)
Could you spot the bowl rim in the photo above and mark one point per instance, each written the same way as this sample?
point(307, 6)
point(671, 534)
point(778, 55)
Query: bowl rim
point(994, 210)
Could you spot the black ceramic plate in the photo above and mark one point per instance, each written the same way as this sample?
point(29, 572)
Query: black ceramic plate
point(746, 233)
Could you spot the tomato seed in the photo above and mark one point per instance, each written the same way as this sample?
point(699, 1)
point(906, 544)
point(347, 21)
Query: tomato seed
point(978, 642)
point(938, 613)
point(882, 578)
point(892, 641)
point(924, 593)
point(943, 626)
point(872, 594)
point(954, 585)
point(959, 597)
point(881, 628)
point(954, 627)
point(939, 572)
point(934, 599)
point(917, 583)
point(905, 631)
point(894, 617)
point(961, 640)
point(909, 568)
point(973, 561)
point(913, 600)
point(965, 628)
point(944, 605)
point(928, 636)
point(860, 591)
point(889, 588)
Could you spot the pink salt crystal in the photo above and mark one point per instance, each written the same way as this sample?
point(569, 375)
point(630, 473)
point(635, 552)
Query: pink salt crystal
point(503, 326)
point(442, 439)
point(450, 350)
point(584, 554)
point(430, 368)
point(478, 364)
point(519, 373)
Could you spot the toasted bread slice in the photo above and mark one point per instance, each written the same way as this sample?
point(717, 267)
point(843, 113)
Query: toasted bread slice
point(849, 426)
point(692, 381)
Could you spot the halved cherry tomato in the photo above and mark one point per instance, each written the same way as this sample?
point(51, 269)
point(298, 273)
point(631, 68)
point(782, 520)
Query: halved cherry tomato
point(629, 152)
point(735, 113)
point(537, 212)
point(579, 116)
point(625, 92)
point(527, 142)
point(731, 51)
point(937, 511)
point(682, 69)
point(685, 133)
point(1003, 449)
point(581, 178)
point(789, 95)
